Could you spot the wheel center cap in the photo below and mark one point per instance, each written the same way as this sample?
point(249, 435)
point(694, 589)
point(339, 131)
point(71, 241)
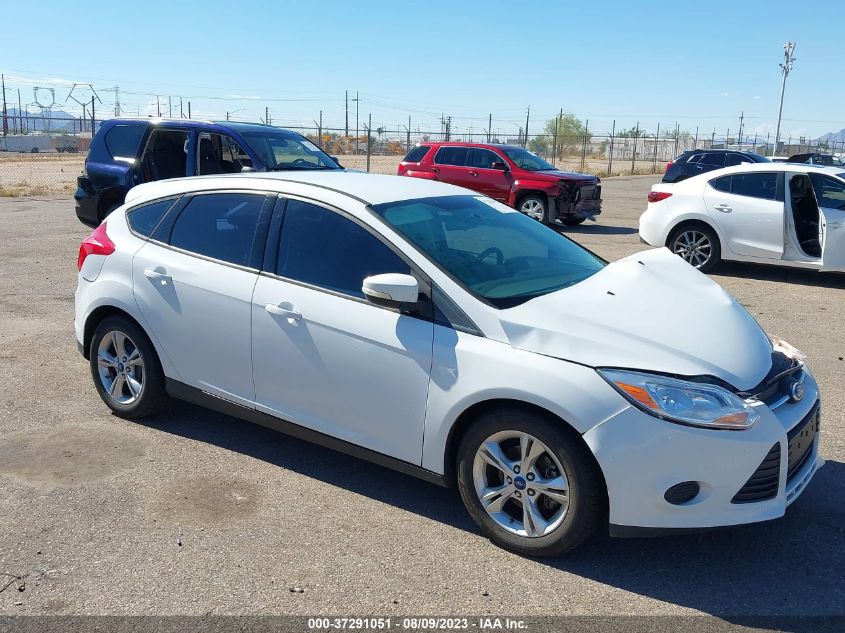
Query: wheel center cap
point(120, 367)
point(519, 482)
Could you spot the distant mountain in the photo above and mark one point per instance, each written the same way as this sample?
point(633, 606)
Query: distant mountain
point(837, 137)
point(58, 121)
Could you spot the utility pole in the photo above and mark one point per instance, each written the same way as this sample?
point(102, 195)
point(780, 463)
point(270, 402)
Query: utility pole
point(181, 111)
point(93, 119)
point(116, 101)
point(369, 140)
point(158, 106)
point(785, 67)
point(527, 116)
point(169, 107)
point(189, 109)
point(357, 128)
point(741, 117)
point(5, 120)
point(20, 113)
point(346, 129)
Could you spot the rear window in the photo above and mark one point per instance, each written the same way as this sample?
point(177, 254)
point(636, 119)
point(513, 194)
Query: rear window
point(145, 219)
point(416, 154)
point(451, 156)
point(123, 140)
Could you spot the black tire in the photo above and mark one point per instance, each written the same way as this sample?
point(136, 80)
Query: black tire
point(536, 200)
point(573, 221)
point(586, 494)
point(682, 235)
point(152, 397)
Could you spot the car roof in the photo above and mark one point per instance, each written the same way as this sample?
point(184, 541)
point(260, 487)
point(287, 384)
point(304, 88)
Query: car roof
point(468, 144)
point(755, 167)
point(189, 123)
point(365, 188)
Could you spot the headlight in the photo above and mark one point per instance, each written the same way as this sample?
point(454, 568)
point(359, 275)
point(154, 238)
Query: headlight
point(681, 401)
point(779, 345)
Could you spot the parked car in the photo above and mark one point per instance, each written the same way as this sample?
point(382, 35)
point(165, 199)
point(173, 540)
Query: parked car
point(128, 152)
point(509, 174)
point(698, 161)
point(443, 334)
point(815, 158)
point(774, 213)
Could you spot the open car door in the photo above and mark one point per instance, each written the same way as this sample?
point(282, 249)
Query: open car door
point(830, 195)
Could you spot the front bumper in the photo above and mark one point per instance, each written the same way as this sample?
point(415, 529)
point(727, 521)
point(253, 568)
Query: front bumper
point(578, 201)
point(642, 457)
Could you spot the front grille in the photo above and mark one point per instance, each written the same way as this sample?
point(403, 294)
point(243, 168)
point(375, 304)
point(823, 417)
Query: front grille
point(801, 439)
point(763, 484)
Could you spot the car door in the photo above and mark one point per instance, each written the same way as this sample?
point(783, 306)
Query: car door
point(450, 165)
point(748, 208)
point(326, 358)
point(495, 183)
point(166, 155)
point(193, 283)
point(830, 196)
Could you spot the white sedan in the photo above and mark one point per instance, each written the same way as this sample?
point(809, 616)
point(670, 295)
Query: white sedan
point(438, 332)
point(771, 213)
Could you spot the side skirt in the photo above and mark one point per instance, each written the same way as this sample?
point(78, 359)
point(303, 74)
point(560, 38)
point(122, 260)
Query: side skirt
point(204, 399)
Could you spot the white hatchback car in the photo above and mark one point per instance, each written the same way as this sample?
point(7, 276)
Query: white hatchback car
point(438, 332)
point(771, 213)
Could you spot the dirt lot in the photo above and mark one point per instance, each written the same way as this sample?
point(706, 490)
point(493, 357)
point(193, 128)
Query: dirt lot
point(193, 512)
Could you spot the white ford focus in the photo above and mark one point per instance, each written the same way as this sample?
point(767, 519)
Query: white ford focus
point(435, 331)
point(782, 214)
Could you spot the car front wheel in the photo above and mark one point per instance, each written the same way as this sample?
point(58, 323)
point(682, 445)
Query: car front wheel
point(697, 245)
point(529, 483)
point(126, 369)
point(534, 207)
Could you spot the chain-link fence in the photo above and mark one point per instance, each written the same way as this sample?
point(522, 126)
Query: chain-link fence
point(43, 155)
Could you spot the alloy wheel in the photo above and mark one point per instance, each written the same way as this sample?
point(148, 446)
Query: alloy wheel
point(533, 208)
point(120, 367)
point(694, 247)
point(521, 484)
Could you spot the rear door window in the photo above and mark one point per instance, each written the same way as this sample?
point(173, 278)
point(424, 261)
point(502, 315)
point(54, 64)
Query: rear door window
point(166, 155)
point(123, 140)
point(755, 185)
point(737, 159)
point(417, 154)
point(222, 226)
point(721, 184)
point(456, 156)
point(830, 192)
point(712, 158)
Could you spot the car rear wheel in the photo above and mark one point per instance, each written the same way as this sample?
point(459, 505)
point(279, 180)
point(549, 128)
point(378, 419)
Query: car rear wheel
point(126, 369)
point(531, 486)
point(534, 207)
point(698, 245)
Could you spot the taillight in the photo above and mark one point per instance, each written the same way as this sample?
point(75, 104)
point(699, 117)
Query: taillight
point(98, 243)
point(668, 165)
point(657, 196)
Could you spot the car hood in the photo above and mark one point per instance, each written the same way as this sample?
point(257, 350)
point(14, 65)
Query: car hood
point(650, 311)
point(555, 174)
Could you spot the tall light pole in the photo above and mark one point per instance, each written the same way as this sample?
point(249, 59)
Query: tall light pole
point(785, 67)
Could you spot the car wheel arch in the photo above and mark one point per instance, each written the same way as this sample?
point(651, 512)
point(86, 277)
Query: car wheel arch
point(97, 316)
point(468, 416)
point(688, 222)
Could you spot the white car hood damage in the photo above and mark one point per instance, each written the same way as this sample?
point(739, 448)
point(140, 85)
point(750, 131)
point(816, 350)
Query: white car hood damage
point(650, 311)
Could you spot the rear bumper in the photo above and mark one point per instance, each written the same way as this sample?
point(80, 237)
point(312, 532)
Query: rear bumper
point(86, 205)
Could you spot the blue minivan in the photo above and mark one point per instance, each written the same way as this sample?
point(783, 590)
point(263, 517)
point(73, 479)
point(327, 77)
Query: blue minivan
point(127, 152)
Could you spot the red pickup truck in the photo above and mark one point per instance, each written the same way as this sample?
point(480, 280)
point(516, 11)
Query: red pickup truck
point(510, 174)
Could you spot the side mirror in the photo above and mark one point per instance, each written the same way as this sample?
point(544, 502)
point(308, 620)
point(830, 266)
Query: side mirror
point(246, 169)
point(500, 165)
point(391, 289)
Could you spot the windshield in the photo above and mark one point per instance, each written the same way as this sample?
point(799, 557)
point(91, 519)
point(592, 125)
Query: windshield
point(288, 151)
point(497, 253)
point(527, 160)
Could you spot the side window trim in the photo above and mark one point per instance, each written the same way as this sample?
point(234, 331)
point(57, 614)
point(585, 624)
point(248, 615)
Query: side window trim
point(269, 266)
point(177, 203)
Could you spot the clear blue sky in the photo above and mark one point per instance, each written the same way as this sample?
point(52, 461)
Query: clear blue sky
point(700, 63)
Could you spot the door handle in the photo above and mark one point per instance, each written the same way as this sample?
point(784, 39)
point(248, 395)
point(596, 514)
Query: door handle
point(435, 170)
point(288, 313)
point(157, 275)
point(724, 208)
point(473, 173)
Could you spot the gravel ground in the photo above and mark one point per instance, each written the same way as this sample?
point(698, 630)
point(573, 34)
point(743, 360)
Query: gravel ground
point(197, 513)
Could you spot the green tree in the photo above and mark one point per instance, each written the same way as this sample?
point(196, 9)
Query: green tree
point(570, 134)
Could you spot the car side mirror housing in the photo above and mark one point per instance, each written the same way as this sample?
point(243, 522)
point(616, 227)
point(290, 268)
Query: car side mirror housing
point(500, 165)
point(391, 289)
